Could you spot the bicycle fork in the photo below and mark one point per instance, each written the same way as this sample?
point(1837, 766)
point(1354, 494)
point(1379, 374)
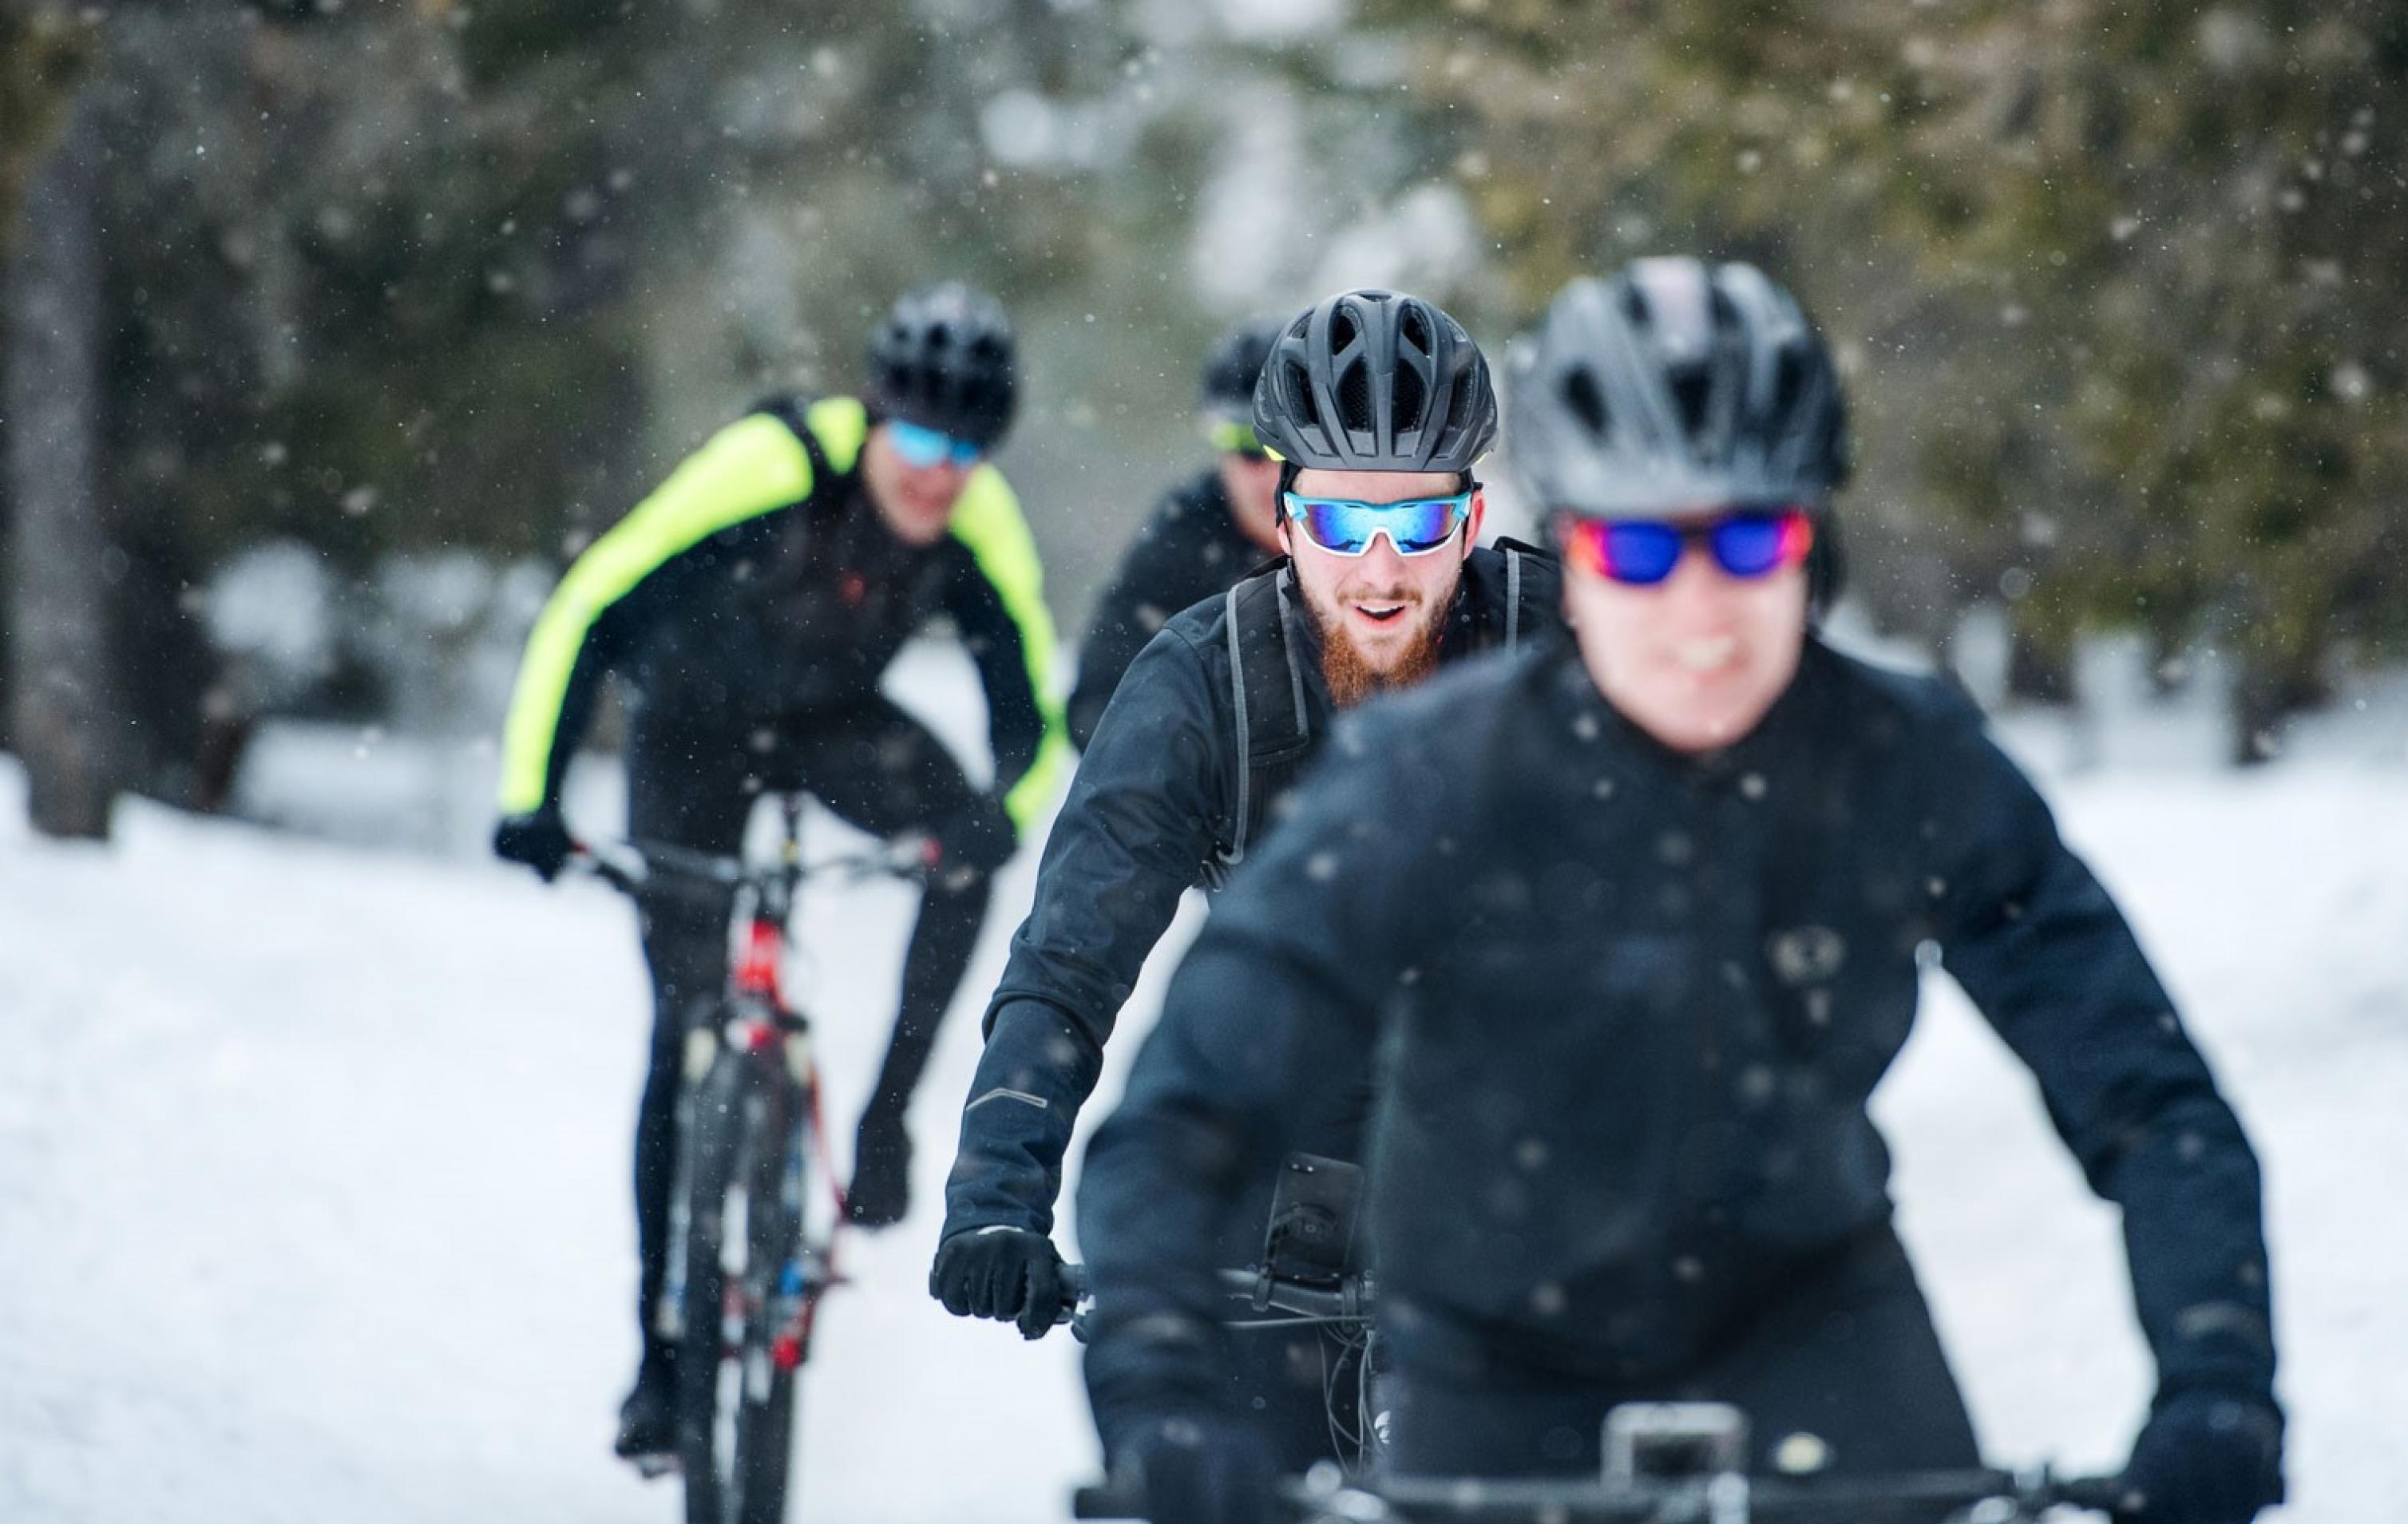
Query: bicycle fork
point(811, 1269)
point(701, 1053)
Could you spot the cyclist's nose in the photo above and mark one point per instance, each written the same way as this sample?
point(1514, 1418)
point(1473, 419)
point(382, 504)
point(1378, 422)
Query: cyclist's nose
point(1381, 562)
point(1696, 577)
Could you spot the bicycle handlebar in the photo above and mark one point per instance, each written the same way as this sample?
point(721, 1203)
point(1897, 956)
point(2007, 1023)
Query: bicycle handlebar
point(1348, 1302)
point(631, 865)
point(1769, 1499)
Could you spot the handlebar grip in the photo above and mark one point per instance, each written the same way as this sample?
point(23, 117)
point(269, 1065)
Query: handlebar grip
point(2098, 1494)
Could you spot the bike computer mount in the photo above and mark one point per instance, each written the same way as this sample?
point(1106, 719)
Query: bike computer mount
point(1311, 1239)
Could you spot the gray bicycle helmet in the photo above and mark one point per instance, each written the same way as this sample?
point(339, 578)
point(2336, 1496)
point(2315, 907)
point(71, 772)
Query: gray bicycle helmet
point(1226, 387)
point(944, 359)
point(1675, 385)
point(1376, 380)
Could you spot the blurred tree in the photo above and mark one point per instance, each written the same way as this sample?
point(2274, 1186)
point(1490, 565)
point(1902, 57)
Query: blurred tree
point(59, 685)
point(2112, 279)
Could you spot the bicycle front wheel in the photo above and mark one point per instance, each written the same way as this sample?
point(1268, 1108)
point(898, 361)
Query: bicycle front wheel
point(736, 1406)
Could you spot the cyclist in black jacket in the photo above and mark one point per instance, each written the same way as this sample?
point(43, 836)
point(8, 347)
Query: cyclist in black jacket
point(1637, 927)
point(1205, 534)
point(1211, 724)
point(752, 603)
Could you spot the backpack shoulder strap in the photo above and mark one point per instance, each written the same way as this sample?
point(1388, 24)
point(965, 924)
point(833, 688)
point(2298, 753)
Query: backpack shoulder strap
point(1273, 729)
point(1512, 597)
point(1532, 589)
point(791, 409)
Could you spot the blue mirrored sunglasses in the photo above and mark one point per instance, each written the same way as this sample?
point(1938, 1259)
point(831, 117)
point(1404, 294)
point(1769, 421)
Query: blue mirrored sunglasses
point(922, 447)
point(1344, 526)
point(1746, 544)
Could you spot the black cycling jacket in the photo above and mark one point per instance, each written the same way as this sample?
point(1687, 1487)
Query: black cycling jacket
point(1633, 1005)
point(758, 584)
point(1156, 796)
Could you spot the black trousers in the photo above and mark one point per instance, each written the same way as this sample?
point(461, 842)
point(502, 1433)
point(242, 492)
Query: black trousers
point(1845, 1354)
point(694, 784)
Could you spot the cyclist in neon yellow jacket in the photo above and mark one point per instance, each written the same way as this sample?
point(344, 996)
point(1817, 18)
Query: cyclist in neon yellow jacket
point(752, 603)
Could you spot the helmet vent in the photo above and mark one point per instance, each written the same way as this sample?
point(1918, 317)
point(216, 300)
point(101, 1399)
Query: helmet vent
point(1788, 379)
point(1691, 392)
point(1588, 403)
point(1298, 383)
point(1460, 410)
point(1342, 331)
point(1407, 408)
point(1354, 399)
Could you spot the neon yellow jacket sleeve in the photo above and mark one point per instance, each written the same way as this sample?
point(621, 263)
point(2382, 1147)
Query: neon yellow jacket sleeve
point(751, 467)
point(987, 521)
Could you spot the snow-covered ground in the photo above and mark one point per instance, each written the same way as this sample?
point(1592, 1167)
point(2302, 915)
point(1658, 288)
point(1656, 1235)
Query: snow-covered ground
point(314, 1164)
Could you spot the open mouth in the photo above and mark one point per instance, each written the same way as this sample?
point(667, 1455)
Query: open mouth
point(1380, 614)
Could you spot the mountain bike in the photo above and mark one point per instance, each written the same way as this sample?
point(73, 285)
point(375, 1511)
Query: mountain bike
point(1667, 1463)
point(757, 1205)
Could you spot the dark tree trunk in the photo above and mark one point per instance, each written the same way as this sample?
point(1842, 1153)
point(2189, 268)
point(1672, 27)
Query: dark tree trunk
point(2265, 701)
point(60, 677)
point(2038, 673)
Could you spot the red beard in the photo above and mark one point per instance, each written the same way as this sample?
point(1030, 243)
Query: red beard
point(1352, 680)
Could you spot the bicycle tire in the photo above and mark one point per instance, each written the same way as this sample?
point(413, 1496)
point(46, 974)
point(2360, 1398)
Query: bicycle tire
point(736, 1409)
point(765, 1441)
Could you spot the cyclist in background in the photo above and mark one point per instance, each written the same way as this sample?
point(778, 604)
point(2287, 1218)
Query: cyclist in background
point(751, 604)
point(1206, 533)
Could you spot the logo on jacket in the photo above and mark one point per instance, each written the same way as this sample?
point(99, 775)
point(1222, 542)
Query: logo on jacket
point(1805, 955)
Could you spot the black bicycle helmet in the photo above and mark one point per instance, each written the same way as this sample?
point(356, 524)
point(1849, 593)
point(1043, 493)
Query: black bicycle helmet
point(1376, 380)
point(1226, 387)
point(944, 359)
point(1675, 385)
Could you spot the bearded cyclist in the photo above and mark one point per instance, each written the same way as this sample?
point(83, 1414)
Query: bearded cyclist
point(752, 603)
point(1206, 534)
point(1637, 926)
point(1379, 405)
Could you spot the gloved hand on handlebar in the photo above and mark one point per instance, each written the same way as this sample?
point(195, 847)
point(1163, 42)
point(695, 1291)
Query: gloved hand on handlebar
point(2204, 1458)
point(1009, 1274)
point(1202, 1468)
point(540, 840)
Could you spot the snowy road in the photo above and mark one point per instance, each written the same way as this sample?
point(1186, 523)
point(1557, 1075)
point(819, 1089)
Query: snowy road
point(313, 1207)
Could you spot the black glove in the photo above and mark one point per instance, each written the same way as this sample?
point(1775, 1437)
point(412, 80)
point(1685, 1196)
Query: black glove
point(1202, 1469)
point(979, 837)
point(1009, 1274)
point(881, 1191)
point(2204, 1458)
point(538, 839)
